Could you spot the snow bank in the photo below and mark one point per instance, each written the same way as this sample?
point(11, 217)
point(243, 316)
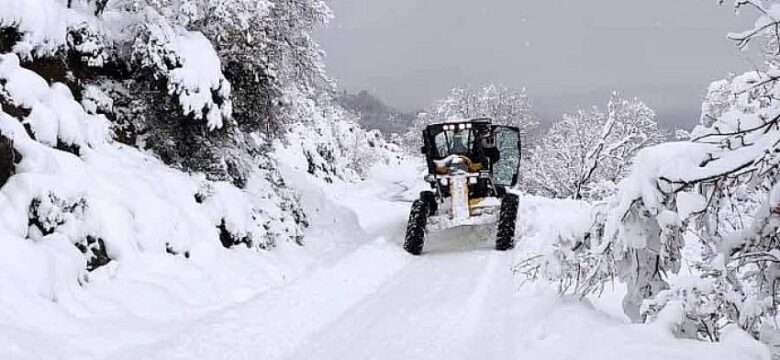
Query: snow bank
point(549, 233)
point(542, 221)
point(132, 203)
point(547, 229)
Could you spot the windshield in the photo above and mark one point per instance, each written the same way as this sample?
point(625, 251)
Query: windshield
point(449, 142)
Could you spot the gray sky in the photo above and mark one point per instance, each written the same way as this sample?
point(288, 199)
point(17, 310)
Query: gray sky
point(568, 53)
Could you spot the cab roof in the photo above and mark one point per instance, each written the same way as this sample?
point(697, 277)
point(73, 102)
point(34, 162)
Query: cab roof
point(480, 121)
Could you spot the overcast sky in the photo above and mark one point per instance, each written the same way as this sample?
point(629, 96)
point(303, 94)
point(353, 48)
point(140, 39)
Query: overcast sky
point(567, 53)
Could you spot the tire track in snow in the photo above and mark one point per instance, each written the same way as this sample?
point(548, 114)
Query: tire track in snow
point(401, 194)
point(276, 323)
point(495, 321)
point(434, 309)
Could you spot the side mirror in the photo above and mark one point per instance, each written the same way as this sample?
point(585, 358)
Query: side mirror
point(422, 150)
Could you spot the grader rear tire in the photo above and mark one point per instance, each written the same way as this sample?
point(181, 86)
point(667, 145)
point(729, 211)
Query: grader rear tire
point(505, 236)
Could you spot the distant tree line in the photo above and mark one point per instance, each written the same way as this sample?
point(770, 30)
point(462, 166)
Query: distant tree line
point(375, 114)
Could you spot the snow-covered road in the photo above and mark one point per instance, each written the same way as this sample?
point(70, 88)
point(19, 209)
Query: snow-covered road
point(459, 300)
point(446, 306)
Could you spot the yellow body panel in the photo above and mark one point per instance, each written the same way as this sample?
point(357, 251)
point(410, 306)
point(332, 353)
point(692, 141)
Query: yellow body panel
point(475, 202)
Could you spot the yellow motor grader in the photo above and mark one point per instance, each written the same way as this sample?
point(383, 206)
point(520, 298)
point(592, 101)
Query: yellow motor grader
point(470, 164)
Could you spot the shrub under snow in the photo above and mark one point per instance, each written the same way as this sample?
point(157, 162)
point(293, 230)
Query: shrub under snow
point(64, 215)
point(55, 118)
point(331, 145)
point(185, 60)
point(192, 68)
point(709, 206)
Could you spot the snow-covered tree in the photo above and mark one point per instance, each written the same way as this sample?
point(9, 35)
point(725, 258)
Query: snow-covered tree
point(586, 153)
point(266, 49)
point(718, 192)
point(504, 105)
point(191, 80)
point(204, 85)
point(333, 143)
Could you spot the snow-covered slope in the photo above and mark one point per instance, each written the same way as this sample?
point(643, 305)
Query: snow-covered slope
point(107, 248)
point(99, 238)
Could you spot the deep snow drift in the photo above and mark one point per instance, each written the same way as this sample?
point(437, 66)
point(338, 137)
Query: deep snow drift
point(352, 293)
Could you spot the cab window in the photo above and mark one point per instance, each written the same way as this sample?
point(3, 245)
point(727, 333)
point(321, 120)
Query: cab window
point(449, 142)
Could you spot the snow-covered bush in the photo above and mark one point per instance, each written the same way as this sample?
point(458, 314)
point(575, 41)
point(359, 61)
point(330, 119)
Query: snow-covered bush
point(586, 153)
point(504, 105)
point(715, 197)
point(42, 25)
point(80, 74)
point(185, 60)
point(331, 145)
point(71, 214)
point(266, 47)
point(54, 117)
point(190, 67)
point(184, 77)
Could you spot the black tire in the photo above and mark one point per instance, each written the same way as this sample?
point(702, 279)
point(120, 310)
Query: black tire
point(415, 229)
point(430, 198)
point(505, 236)
point(500, 191)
